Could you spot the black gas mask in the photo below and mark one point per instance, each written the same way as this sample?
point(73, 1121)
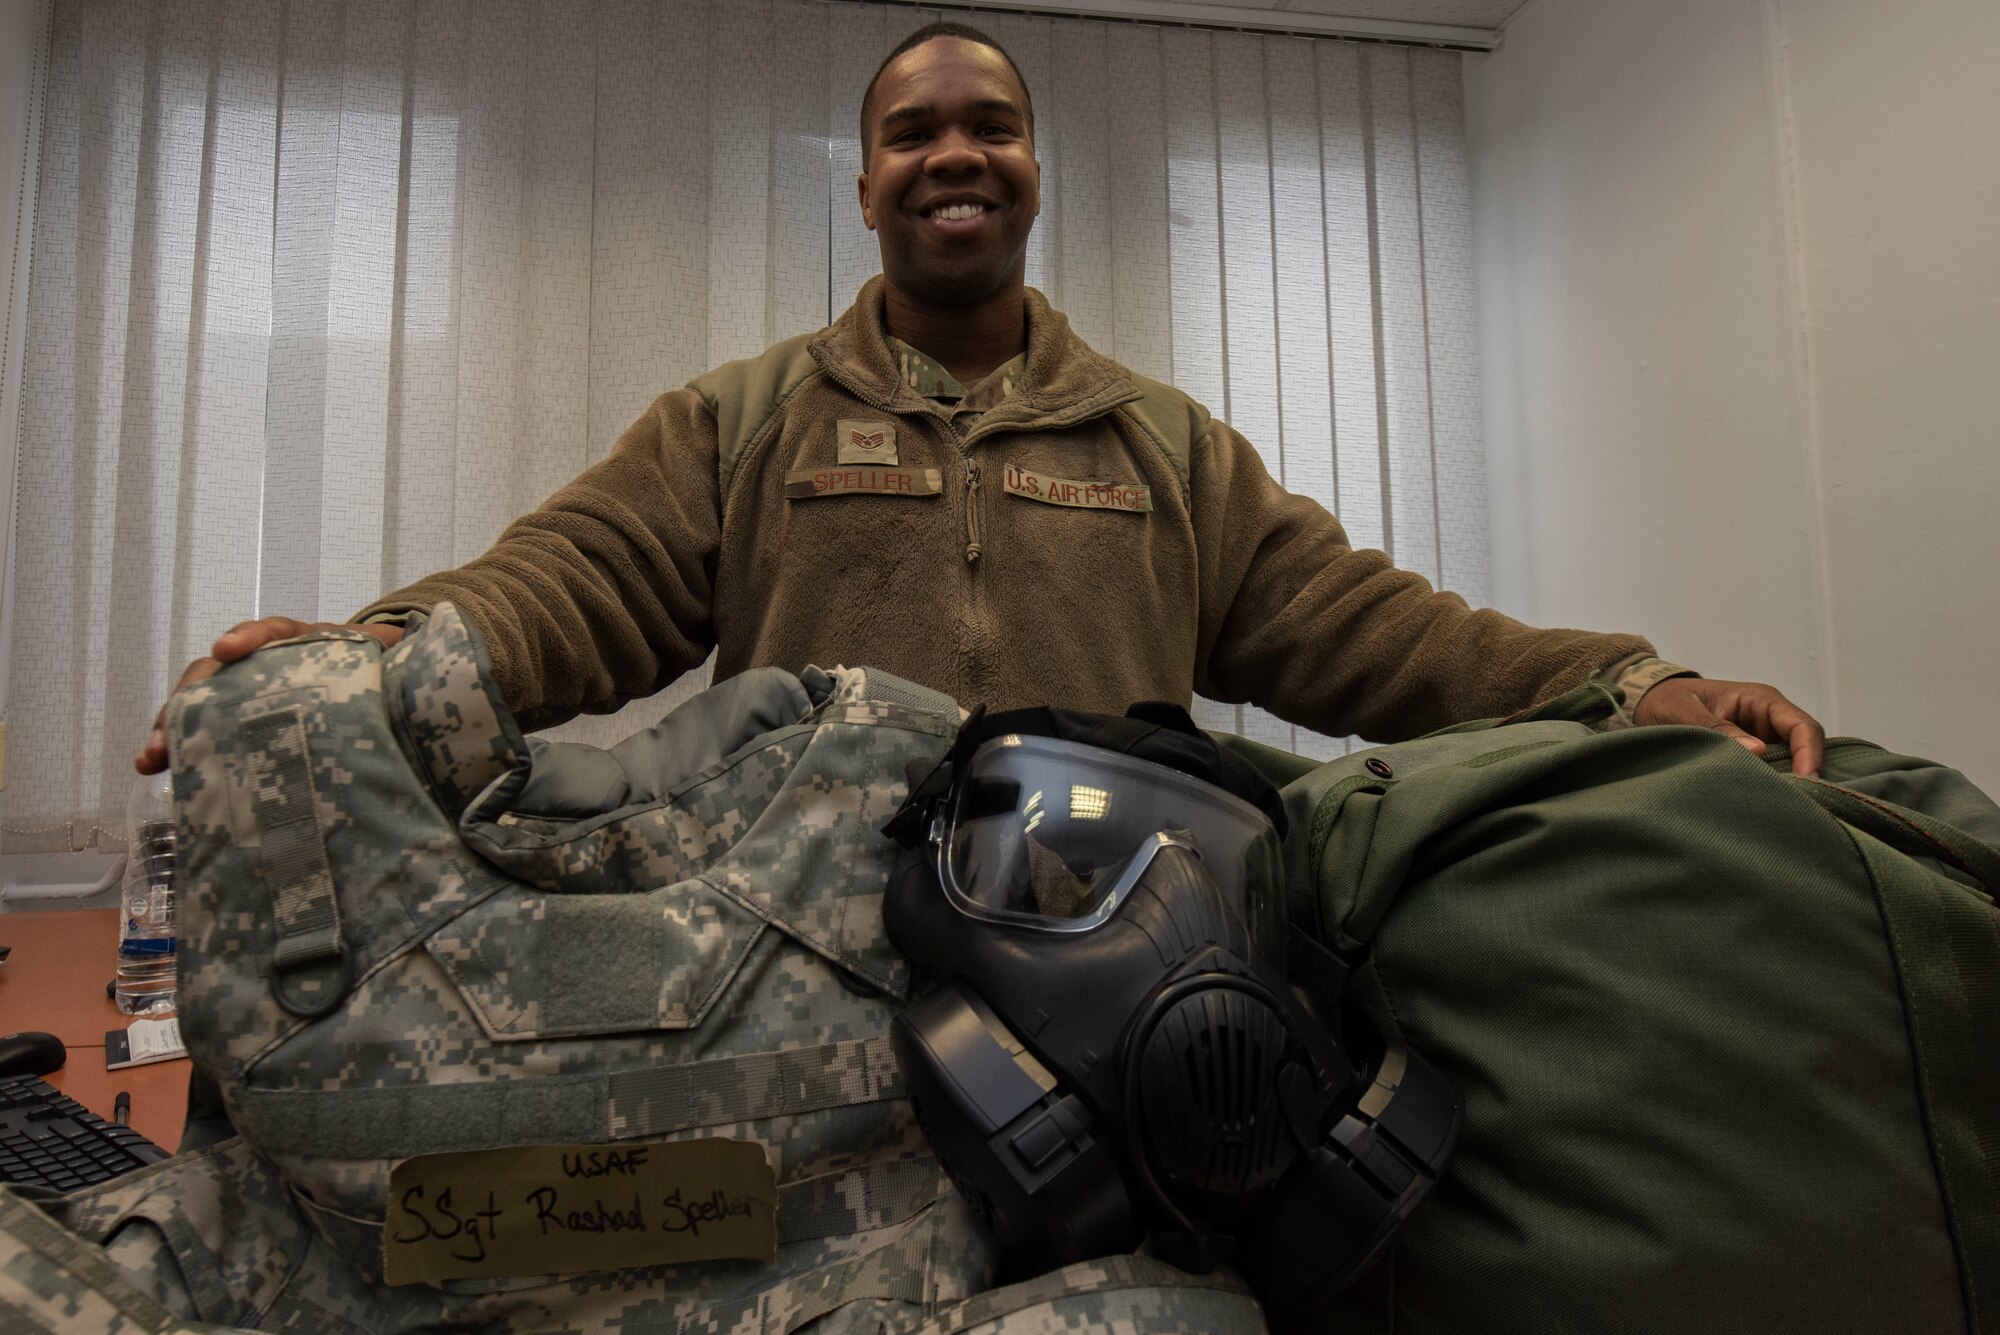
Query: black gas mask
point(1129, 1039)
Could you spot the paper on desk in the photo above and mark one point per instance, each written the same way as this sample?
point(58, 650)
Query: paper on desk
point(143, 1041)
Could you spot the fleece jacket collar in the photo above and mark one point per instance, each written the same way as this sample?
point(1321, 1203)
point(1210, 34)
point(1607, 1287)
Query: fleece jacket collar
point(1065, 381)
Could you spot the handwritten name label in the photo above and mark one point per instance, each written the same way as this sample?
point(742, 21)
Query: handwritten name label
point(570, 1209)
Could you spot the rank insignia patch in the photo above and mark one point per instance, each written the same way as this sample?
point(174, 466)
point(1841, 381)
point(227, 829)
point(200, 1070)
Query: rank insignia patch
point(866, 442)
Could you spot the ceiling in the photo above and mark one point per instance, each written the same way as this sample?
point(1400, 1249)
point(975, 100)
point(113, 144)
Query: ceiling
point(1466, 25)
point(1459, 13)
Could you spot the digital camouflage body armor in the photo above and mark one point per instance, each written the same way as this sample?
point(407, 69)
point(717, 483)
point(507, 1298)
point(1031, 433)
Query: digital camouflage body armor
point(409, 930)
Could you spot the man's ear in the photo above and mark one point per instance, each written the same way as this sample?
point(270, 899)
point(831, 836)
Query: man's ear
point(861, 192)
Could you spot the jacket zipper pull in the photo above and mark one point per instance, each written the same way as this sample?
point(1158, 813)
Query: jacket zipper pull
point(972, 547)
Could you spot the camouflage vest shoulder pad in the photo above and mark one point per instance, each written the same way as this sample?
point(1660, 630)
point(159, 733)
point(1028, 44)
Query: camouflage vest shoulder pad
point(1173, 420)
point(745, 397)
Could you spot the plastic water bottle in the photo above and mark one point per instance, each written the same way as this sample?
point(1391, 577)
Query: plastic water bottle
point(145, 980)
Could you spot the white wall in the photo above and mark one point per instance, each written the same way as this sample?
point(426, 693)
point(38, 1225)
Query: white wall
point(1896, 108)
point(1740, 323)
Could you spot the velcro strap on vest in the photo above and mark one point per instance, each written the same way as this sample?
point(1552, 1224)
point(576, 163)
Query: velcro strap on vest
point(435, 1119)
point(1106, 1275)
point(897, 1272)
point(873, 1196)
point(292, 859)
point(734, 1089)
point(292, 854)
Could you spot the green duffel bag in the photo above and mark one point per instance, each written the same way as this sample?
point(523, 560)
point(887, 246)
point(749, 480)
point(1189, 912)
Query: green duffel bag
point(1723, 1035)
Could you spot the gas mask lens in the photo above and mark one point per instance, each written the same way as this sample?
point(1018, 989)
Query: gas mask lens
point(1052, 835)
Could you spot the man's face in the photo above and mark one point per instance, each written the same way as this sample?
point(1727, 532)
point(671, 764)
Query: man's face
point(952, 186)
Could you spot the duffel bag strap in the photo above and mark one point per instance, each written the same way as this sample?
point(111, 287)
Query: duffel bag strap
point(1947, 958)
point(1908, 831)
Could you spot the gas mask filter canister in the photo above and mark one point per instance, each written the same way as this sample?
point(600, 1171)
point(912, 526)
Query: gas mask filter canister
point(1118, 1048)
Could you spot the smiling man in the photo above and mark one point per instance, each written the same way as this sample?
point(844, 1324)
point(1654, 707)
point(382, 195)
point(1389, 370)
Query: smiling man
point(949, 484)
point(951, 187)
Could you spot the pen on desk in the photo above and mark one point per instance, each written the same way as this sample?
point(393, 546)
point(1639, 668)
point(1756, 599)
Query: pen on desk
point(121, 1109)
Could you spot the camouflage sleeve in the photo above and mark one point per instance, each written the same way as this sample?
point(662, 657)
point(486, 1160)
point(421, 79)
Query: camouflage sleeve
point(1294, 619)
point(605, 593)
point(1630, 678)
point(53, 1282)
point(409, 618)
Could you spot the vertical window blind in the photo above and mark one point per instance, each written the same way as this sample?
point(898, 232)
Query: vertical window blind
point(325, 293)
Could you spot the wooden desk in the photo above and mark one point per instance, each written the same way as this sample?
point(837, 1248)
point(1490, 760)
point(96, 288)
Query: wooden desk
point(54, 981)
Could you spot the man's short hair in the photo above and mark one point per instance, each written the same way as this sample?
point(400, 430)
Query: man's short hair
point(930, 32)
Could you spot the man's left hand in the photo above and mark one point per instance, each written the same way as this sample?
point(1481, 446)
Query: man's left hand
point(1750, 712)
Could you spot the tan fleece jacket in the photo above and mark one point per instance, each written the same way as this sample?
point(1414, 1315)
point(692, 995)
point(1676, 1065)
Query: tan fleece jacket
point(953, 568)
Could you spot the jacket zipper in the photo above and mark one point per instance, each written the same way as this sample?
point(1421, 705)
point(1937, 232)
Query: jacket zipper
point(972, 546)
point(974, 647)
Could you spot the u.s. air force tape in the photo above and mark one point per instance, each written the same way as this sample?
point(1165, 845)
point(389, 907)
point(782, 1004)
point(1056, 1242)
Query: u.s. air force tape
point(1131, 496)
point(572, 1209)
point(862, 480)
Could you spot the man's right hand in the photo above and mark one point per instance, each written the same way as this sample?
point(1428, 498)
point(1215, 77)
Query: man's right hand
point(240, 641)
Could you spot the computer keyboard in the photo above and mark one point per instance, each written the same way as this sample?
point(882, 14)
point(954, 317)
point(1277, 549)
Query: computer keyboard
point(48, 1139)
